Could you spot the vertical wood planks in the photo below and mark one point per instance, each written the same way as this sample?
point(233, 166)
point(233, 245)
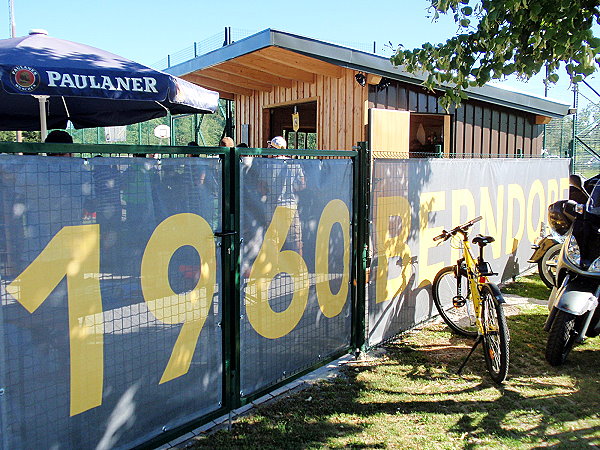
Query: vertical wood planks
point(459, 131)
point(333, 113)
point(468, 147)
point(519, 141)
point(486, 132)
point(502, 137)
point(494, 133)
point(528, 138)
point(511, 135)
point(478, 129)
point(341, 129)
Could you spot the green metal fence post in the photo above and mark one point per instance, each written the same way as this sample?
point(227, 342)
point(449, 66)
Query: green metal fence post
point(231, 279)
point(362, 175)
point(573, 148)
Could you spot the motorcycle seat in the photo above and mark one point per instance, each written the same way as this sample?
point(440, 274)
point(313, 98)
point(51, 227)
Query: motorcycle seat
point(482, 241)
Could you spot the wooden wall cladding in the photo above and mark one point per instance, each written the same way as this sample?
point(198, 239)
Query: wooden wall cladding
point(340, 110)
point(479, 129)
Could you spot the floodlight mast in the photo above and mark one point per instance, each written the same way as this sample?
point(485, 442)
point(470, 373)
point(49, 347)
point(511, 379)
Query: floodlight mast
point(11, 12)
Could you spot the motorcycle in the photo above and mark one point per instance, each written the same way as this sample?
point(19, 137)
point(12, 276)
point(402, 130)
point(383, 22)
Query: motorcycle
point(573, 303)
point(545, 254)
point(547, 247)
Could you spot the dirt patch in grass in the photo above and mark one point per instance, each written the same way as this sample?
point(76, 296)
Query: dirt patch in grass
point(410, 397)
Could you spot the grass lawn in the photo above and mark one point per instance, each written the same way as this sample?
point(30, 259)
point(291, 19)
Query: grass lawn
point(530, 286)
point(410, 397)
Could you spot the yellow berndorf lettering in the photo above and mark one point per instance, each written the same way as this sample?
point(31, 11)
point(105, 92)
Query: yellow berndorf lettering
point(430, 202)
point(392, 244)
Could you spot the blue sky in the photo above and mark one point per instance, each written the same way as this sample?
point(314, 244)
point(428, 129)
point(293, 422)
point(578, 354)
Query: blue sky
point(146, 31)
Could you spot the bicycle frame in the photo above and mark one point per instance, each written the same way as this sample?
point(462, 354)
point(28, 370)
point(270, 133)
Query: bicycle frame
point(474, 277)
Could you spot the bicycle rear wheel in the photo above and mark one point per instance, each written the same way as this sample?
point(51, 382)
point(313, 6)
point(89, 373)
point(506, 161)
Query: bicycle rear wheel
point(458, 313)
point(495, 335)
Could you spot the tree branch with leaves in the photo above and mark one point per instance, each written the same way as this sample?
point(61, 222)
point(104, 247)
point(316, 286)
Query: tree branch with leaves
point(497, 38)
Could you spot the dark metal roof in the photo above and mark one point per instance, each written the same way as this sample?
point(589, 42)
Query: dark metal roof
point(359, 61)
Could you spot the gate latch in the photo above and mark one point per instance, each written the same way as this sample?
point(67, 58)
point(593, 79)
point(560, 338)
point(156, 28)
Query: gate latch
point(224, 233)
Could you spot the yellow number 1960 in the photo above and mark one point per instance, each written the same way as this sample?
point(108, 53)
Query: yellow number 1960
point(75, 253)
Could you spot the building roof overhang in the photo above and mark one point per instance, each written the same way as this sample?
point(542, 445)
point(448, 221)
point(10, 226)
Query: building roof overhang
point(273, 58)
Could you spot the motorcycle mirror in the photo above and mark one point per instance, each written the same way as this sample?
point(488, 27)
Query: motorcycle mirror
point(576, 189)
point(572, 209)
point(575, 180)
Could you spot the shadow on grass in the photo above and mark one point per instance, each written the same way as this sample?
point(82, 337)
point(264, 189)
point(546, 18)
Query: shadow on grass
point(377, 404)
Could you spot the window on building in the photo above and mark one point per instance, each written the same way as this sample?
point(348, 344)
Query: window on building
point(281, 124)
point(429, 135)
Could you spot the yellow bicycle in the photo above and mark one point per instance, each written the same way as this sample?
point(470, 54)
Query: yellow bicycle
point(470, 304)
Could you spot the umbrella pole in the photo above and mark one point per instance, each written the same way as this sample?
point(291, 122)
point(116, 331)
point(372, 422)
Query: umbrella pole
point(43, 99)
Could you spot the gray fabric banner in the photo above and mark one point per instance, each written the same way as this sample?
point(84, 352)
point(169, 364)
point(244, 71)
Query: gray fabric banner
point(296, 261)
point(414, 200)
point(110, 291)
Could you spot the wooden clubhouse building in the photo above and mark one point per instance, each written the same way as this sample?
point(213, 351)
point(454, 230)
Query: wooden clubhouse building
point(343, 96)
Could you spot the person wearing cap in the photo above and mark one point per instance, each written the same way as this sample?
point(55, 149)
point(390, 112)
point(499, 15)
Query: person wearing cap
point(277, 142)
point(227, 142)
point(279, 185)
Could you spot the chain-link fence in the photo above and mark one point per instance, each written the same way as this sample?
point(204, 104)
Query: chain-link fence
point(577, 135)
point(204, 129)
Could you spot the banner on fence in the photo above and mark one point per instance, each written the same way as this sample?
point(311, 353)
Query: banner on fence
point(111, 298)
point(414, 200)
point(296, 260)
point(111, 292)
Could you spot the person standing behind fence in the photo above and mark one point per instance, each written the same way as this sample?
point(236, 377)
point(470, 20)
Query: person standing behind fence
point(286, 178)
point(59, 137)
point(141, 213)
point(227, 142)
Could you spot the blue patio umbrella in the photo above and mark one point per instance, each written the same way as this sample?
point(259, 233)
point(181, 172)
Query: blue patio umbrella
point(47, 82)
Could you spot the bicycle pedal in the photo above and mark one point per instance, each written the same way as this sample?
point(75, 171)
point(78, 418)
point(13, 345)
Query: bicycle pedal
point(459, 301)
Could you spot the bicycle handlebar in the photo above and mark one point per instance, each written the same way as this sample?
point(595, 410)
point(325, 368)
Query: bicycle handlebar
point(445, 235)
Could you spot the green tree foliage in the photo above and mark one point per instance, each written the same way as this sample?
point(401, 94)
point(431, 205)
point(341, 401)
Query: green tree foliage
point(497, 38)
point(26, 136)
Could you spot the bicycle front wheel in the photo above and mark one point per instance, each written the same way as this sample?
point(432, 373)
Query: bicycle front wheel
point(495, 335)
point(456, 310)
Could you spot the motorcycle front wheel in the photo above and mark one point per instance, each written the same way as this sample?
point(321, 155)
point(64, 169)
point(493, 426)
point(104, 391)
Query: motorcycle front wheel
point(547, 265)
point(561, 338)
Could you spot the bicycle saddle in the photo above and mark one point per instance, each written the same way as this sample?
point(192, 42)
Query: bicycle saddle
point(483, 240)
